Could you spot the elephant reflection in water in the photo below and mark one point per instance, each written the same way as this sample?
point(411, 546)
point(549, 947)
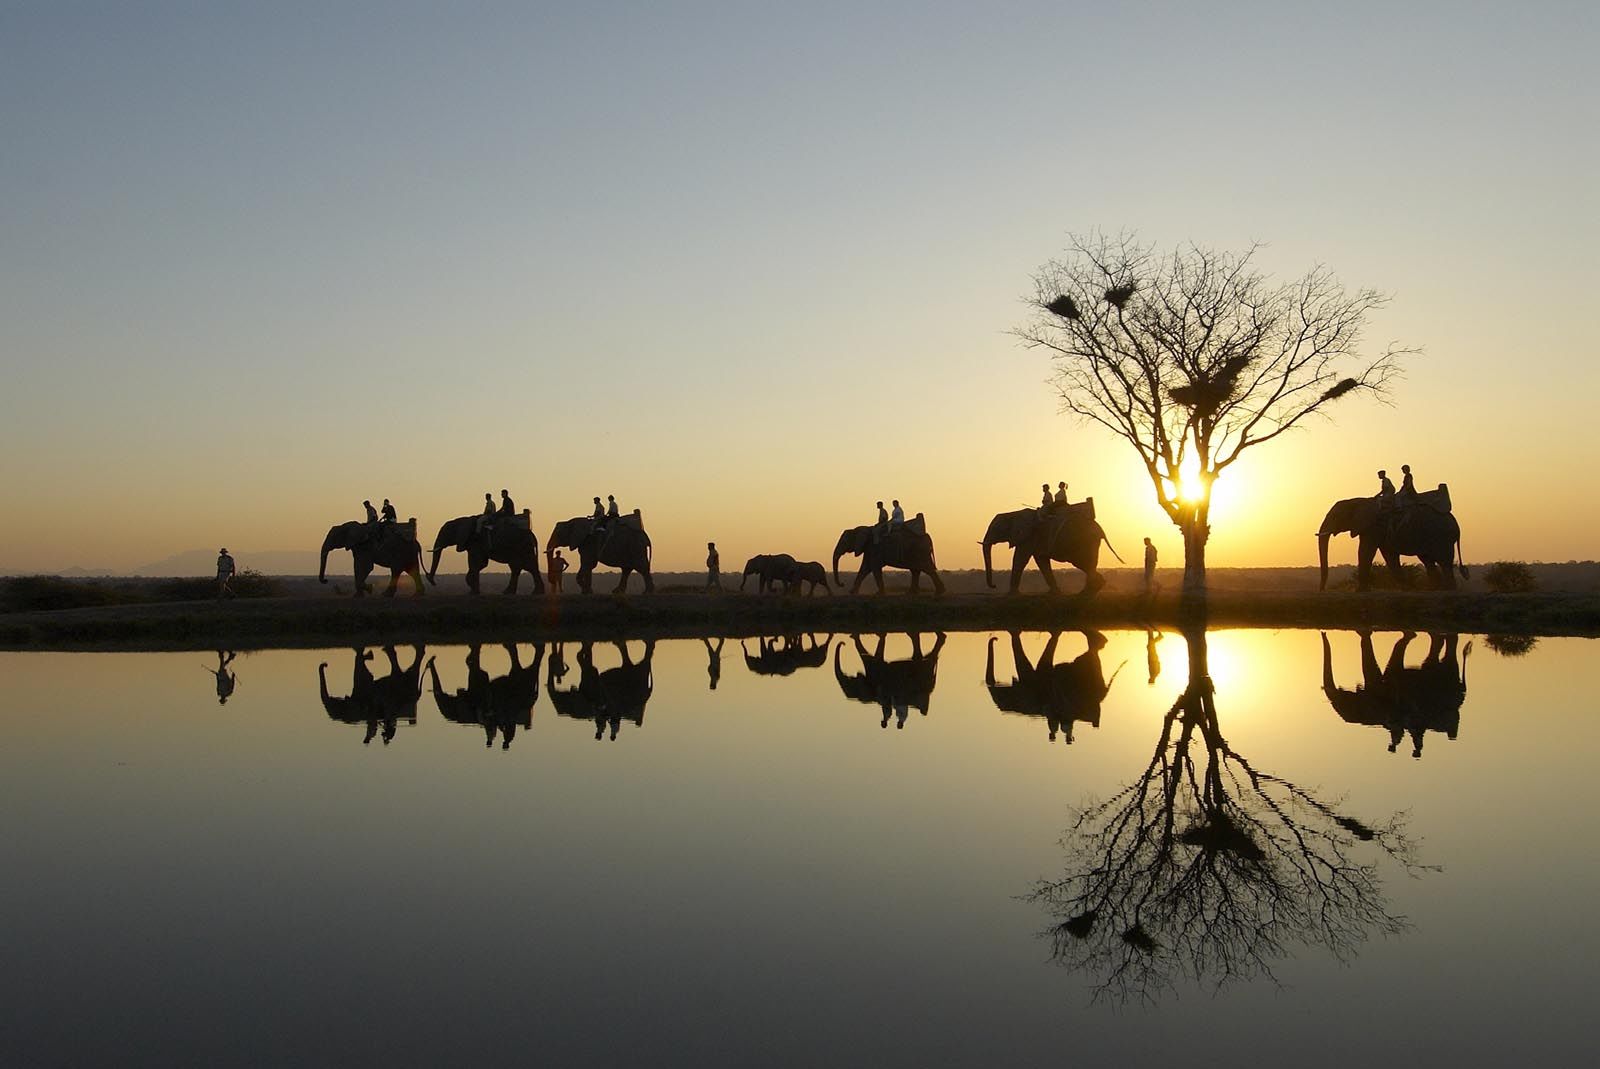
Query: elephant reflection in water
point(1063, 694)
point(499, 705)
point(785, 656)
point(605, 697)
point(378, 703)
point(895, 687)
point(1210, 869)
point(1403, 700)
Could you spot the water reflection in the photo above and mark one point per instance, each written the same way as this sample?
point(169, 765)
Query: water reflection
point(606, 697)
point(714, 661)
point(227, 679)
point(1403, 701)
point(1210, 868)
point(1062, 694)
point(895, 687)
point(498, 705)
point(786, 655)
point(380, 704)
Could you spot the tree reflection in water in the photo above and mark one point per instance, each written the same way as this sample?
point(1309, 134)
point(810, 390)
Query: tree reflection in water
point(1210, 869)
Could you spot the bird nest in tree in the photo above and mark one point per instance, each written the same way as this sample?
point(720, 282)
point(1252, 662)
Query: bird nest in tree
point(1065, 307)
point(1339, 389)
point(1121, 295)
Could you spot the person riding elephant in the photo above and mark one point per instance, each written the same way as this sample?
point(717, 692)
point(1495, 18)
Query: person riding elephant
point(1062, 694)
point(1403, 700)
point(907, 546)
point(379, 703)
point(621, 543)
point(509, 540)
point(1422, 526)
point(393, 545)
point(895, 687)
point(609, 697)
point(1066, 533)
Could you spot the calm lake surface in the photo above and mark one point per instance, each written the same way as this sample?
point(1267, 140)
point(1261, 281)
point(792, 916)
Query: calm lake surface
point(1243, 860)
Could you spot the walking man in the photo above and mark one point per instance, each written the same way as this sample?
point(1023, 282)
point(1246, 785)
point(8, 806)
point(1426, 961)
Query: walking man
point(557, 566)
point(225, 573)
point(713, 571)
point(1149, 567)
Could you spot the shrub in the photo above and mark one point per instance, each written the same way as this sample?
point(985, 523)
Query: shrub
point(1511, 645)
point(45, 593)
point(1509, 577)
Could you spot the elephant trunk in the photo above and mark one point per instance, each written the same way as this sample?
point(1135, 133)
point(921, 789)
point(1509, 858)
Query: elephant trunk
point(329, 544)
point(839, 551)
point(988, 668)
point(988, 570)
point(1322, 559)
point(322, 685)
point(1328, 685)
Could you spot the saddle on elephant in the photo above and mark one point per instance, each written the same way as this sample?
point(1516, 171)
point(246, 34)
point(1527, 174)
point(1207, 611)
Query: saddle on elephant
point(378, 531)
point(1437, 499)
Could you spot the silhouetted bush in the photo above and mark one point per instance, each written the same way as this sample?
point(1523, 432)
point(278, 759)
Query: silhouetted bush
point(1511, 645)
point(1509, 577)
point(49, 593)
point(46, 593)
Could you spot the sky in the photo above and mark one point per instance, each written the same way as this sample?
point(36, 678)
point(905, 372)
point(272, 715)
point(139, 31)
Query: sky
point(751, 267)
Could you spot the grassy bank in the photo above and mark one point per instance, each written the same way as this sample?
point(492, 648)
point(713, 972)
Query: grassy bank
point(323, 621)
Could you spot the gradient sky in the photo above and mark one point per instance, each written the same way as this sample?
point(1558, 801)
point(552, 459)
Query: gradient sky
point(752, 266)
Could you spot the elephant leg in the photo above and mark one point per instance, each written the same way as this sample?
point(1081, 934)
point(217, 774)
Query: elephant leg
point(916, 581)
point(622, 584)
point(1092, 582)
point(933, 574)
point(472, 578)
point(1042, 559)
point(861, 577)
point(649, 580)
point(1447, 572)
point(877, 577)
point(416, 578)
point(1364, 554)
point(516, 573)
point(394, 582)
point(538, 580)
point(363, 569)
point(1019, 561)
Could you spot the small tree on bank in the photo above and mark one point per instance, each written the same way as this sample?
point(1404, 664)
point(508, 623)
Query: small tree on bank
point(1195, 356)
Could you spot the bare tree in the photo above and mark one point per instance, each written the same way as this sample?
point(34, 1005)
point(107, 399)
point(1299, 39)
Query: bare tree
point(1195, 356)
point(1211, 868)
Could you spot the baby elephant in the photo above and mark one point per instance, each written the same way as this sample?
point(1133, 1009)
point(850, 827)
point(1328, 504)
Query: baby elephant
point(810, 571)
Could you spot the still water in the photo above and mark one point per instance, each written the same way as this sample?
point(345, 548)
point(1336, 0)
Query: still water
point(1245, 847)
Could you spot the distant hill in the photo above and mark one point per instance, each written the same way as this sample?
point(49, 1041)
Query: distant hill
point(204, 562)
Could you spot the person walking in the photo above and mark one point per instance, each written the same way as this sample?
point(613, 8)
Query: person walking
point(1149, 567)
point(713, 570)
point(556, 568)
point(225, 573)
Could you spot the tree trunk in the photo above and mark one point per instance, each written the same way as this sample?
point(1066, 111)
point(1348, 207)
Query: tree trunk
point(1195, 534)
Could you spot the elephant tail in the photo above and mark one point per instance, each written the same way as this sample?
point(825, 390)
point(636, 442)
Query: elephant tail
point(1109, 546)
point(1461, 562)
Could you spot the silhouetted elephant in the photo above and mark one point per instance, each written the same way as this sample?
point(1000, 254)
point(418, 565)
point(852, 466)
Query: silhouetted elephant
point(1069, 534)
point(1063, 694)
point(1403, 700)
point(622, 544)
point(768, 568)
point(810, 571)
point(775, 657)
point(895, 687)
point(393, 545)
point(906, 546)
point(1423, 528)
point(376, 702)
point(607, 698)
point(501, 704)
point(509, 540)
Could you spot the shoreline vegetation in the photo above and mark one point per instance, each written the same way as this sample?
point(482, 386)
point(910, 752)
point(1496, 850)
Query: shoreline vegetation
point(300, 614)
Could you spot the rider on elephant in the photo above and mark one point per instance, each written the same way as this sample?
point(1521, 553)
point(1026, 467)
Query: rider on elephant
point(1408, 488)
point(507, 508)
point(1046, 501)
point(372, 513)
point(1385, 489)
point(1061, 494)
point(388, 514)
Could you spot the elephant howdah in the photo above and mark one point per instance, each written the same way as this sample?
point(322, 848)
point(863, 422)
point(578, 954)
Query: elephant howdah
point(1069, 534)
point(1420, 526)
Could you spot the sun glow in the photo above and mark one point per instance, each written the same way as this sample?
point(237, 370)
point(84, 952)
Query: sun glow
point(1189, 486)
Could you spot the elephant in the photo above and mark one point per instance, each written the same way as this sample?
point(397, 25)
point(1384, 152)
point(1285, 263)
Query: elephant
point(606, 697)
point(376, 702)
point(893, 686)
point(393, 545)
point(1068, 534)
point(1423, 528)
point(784, 657)
point(1063, 694)
point(509, 540)
point(812, 572)
point(768, 568)
point(906, 546)
point(622, 543)
point(502, 704)
point(1403, 700)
